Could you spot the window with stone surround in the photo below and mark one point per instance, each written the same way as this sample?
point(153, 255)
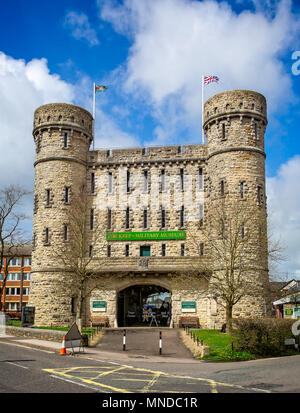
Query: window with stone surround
point(92, 182)
point(128, 181)
point(201, 213)
point(109, 218)
point(110, 182)
point(146, 183)
point(182, 216)
point(242, 190)
point(145, 218)
point(91, 219)
point(67, 195)
point(222, 187)
point(163, 250)
point(201, 249)
point(66, 233)
point(109, 250)
point(127, 250)
point(162, 180)
point(182, 250)
point(65, 141)
point(127, 218)
point(181, 179)
point(48, 197)
point(90, 251)
point(46, 236)
point(200, 178)
point(163, 217)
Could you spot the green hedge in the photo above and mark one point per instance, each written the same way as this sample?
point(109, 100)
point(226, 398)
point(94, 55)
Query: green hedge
point(263, 337)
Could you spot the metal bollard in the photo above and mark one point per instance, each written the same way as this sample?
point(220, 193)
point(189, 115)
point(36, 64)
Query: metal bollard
point(124, 340)
point(160, 343)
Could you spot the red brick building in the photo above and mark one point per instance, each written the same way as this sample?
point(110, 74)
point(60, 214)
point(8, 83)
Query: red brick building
point(16, 289)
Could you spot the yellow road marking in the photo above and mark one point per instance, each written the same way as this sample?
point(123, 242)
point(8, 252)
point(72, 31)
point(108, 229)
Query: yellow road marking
point(151, 383)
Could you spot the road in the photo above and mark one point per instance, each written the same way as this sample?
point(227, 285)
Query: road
point(26, 370)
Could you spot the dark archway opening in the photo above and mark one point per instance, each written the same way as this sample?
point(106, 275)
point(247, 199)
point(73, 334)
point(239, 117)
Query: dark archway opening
point(144, 305)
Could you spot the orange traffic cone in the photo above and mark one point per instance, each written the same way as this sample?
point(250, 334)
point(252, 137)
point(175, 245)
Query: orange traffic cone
point(63, 346)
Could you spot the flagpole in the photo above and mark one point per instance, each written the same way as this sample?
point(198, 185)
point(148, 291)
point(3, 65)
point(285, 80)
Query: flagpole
point(94, 112)
point(202, 108)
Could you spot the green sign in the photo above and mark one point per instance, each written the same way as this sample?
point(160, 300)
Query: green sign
point(99, 305)
point(288, 311)
point(144, 236)
point(185, 305)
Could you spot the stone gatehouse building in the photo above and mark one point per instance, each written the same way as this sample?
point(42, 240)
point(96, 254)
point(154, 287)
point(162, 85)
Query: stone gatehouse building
point(153, 207)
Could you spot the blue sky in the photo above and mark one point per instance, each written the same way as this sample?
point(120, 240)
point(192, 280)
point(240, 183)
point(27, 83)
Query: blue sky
point(151, 55)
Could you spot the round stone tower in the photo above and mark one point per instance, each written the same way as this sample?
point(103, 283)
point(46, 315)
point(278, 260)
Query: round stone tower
point(234, 124)
point(62, 135)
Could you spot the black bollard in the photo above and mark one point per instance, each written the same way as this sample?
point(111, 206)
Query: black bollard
point(124, 340)
point(160, 343)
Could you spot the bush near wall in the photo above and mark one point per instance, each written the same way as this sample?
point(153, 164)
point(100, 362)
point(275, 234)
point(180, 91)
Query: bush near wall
point(264, 336)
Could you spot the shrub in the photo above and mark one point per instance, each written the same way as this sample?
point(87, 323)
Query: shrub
point(264, 336)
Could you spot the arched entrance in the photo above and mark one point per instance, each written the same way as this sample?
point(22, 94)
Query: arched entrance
point(144, 305)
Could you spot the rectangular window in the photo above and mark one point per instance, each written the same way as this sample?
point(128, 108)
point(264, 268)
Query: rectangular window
point(201, 249)
point(27, 262)
point(243, 230)
point(242, 190)
point(110, 182)
point(145, 251)
point(223, 131)
point(109, 250)
point(200, 178)
point(109, 220)
point(67, 193)
point(27, 276)
point(90, 251)
point(163, 180)
point(222, 188)
point(163, 250)
point(201, 214)
point(65, 232)
point(128, 181)
point(65, 140)
point(127, 250)
point(182, 250)
point(145, 181)
point(92, 182)
point(182, 216)
point(26, 291)
point(48, 197)
point(92, 219)
point(46, 235)
point(13, 277)
point(15, 262)
point(181, 180)
point(145, 218)
point(163, 217)
point(127, 218)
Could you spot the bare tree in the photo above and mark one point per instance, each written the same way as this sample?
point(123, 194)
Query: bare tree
point(12, 236)
point(76, 254)
point(231, 236)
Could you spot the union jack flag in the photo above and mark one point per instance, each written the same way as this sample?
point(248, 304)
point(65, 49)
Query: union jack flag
point(209, 79)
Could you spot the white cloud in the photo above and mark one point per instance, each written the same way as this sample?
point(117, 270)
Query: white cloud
point(80, 27)
point(176, 41)
point(284, 212)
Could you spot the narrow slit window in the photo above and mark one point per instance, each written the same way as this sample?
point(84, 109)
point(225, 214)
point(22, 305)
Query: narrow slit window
point(242, 190)
point(181, 179)
point(67, 193)
point(201, 249)
point(48, 197)
point(182, 250)
point(201, 214)
point(163, 217)
point(109, 250)
point(110, 182)
point(128, 181)
point(127, 250)
point(92, 182)
point(65, 140)
point(163, 250)
point(163, 182)
point(223, 131)
point(92, 219)
point(145, 218)
point(109, 218)
point(200, 178)
point(46, 235)
point(65, 232)
point(145, 181)
point(222, 188)
point(182, 216)
point(127, 218)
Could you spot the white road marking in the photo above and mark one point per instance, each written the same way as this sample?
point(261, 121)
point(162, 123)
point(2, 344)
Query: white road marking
point(78, 384)
point(18, 365)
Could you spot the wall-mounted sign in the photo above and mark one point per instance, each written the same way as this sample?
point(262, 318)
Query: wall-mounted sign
point(188, 306)
point(99, 306)
point(288, 311)
point(142, 236)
